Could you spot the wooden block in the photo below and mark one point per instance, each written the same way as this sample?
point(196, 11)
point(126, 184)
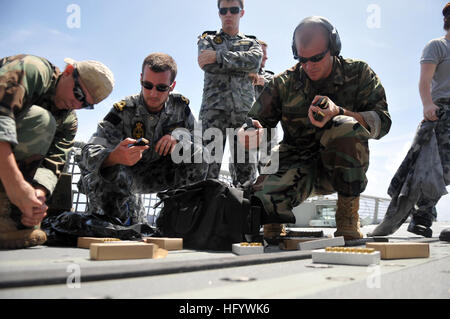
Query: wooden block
point(322, 243)
point(248, 249)
point(346, 256)
point(401, 250)
point(166, 243)
point(122, 251)
point(292, 243)
point(85, 242)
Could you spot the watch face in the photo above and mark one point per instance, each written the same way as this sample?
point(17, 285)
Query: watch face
point(248, 124)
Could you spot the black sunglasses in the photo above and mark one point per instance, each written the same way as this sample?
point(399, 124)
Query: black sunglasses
point(233, 10)
point(315, 58)
point(78, 92)
point(159, 87)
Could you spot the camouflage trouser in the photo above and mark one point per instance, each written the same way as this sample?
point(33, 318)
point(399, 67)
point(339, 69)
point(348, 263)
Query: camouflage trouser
point(240, 171)
point(116, 192)
point(425, 212)
point(264, 156)
point(340, 166)
point(35, 131)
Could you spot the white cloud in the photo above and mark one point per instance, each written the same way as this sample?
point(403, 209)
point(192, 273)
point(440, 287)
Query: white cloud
point(33, 37)
point(376, 44)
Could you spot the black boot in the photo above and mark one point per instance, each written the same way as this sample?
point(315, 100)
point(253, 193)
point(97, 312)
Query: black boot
point(420, 226)
point(252, 222)
point(445, 235)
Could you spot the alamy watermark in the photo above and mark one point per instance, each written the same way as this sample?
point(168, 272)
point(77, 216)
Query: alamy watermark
point(374, 19)
point(74, 279)
point(373, 281)
point(208, 147)
point(74, 19)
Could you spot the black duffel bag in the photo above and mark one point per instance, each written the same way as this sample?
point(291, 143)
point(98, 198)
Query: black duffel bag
point(208, 215)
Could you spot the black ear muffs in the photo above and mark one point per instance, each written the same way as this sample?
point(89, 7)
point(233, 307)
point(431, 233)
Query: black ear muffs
point(334, 41)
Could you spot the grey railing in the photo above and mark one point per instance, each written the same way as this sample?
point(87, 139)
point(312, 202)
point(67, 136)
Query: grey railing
point(371, 208)
point(80, 200)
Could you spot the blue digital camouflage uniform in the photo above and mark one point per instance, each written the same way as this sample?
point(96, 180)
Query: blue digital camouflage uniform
point(425, 211)
point(228, 93)
point(115, 191)
point(319, 160)
point(421, 179)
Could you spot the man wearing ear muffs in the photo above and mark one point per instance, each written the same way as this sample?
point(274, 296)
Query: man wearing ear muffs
point(329, 108)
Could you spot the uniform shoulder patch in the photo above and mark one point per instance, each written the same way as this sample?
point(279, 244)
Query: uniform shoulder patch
point(206, 33)
point(181, 98)
point(185, 100)
point(119, 106)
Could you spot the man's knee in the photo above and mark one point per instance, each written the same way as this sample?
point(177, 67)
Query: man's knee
point(35, 132)
point(279, 193)
point(345, 145)
point(342, 129)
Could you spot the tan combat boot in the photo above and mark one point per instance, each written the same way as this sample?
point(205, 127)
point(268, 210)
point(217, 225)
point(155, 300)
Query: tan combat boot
point(10, 236)
point(274, 230)
point(347, 218)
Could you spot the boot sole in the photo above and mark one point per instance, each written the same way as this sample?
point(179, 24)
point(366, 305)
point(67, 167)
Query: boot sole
point(22, 239)
point(421, 231)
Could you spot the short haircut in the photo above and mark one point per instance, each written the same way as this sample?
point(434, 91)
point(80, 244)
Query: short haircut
point(446, 10)
point(241, 2)
point(308, 31)
point(161, 62)
point(446, 14)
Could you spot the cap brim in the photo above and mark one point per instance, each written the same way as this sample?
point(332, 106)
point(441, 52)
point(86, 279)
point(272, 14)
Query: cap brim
point(70, 61)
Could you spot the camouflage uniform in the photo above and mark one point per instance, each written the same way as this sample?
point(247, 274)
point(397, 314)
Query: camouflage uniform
point(425, 211)
point(114, 191)
point(420, 180)
point(315, 160)
point(268, 76)
point(263, 158)
point(40, 134)
point(228, 92)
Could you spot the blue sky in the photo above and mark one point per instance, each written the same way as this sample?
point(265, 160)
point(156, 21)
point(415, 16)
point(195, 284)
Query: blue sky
point(389, 35)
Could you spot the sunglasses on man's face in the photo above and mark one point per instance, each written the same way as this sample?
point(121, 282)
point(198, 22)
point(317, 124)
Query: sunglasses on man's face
point(159, 87)
point(78, 92)
point(315, 58)
point(233, 10)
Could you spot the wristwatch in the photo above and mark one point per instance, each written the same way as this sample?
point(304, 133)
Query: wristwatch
point(248, 124)
point(341, 110)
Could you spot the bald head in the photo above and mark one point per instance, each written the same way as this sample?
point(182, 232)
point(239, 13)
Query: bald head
point(306, 34)
point(312, 42)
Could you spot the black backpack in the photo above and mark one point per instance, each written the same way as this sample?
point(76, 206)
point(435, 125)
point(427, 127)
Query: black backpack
point(208, 215)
